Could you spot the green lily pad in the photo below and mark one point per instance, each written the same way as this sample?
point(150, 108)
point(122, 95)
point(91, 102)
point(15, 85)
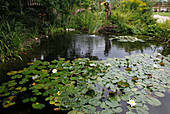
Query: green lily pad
point(159, 94)
point(38, 105)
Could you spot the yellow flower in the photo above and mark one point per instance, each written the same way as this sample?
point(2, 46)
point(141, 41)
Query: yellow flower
point(123, 5)
point(140, 8)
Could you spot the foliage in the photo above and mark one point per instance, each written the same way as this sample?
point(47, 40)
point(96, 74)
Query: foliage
point(81, 85)
point(135, 16)
point(160, 30)
point(11, 39)
point(88, 21)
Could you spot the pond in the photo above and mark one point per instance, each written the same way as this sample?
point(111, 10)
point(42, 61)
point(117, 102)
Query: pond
point(95, 47)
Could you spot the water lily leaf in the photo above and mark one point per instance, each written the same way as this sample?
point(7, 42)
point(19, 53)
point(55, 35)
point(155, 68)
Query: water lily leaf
point(153, 101)
point(37, 62)
point(41, 67)
point(52, 66)
point(12, 73)
point(103, 105)
point(38, 105)
point(33, 99)
point(16, 76)
point(2, 89)
point(61, 59)
point(141, 111)
point(89, 109)
point(26, 72)
point(130, 112)
point(9, 104)
point(6, 94)
point(75, 112)
point(18, 88)
point(94, 102)
point(52, 102)
point(26, 100)
point(45, 63)
point(159, 94)
point(23, 89)
point(117, 110)
point(12, 83)
point(108, 111)
point(54, 61)
point(11, 97)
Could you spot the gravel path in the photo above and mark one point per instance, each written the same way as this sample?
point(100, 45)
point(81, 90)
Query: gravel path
point(161, 18)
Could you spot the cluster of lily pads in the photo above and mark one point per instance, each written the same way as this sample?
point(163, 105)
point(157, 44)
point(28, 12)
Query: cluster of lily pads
point(84, 86)
point(126, 38)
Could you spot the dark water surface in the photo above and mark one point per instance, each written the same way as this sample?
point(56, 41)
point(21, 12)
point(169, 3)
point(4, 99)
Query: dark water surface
point(70, 46)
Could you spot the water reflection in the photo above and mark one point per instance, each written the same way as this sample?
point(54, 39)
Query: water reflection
point(94, 47)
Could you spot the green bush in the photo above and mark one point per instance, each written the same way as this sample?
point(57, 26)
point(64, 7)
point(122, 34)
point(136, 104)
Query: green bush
point(133, 16)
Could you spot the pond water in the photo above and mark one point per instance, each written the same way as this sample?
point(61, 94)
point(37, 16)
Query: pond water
point(71, 46)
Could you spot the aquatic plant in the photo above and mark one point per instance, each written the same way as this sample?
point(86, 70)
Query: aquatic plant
point(126, 39)
point(81, 85)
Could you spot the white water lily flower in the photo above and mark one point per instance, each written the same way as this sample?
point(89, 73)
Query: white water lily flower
point(54, 71)
point(92, 64)
point(155, 66)
point(131, 102)
point(35, 77)
point(108, 64)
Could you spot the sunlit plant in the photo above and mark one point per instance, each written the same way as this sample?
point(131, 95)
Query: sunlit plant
point(81, 85)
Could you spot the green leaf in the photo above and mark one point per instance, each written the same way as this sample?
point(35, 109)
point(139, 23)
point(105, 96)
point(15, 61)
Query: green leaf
point(38, 105)
point(103, 105)
point(33, 99)
point(153, 101)
point(108, 111)
point(130, 112)
point(141, 111)
point(6, 94)
point(89, 109)
point(117, 110)
point(26, 100)
point(94, 102)
point(159, 94)
point(75, 112)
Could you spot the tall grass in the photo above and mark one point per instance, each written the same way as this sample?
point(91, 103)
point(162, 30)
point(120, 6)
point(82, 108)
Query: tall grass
point(11, 39)
point(87, 21)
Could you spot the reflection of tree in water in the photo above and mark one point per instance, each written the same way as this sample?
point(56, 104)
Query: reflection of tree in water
point(107, 47)
point(67, 46)
point(165, 51)
point(134, 46)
